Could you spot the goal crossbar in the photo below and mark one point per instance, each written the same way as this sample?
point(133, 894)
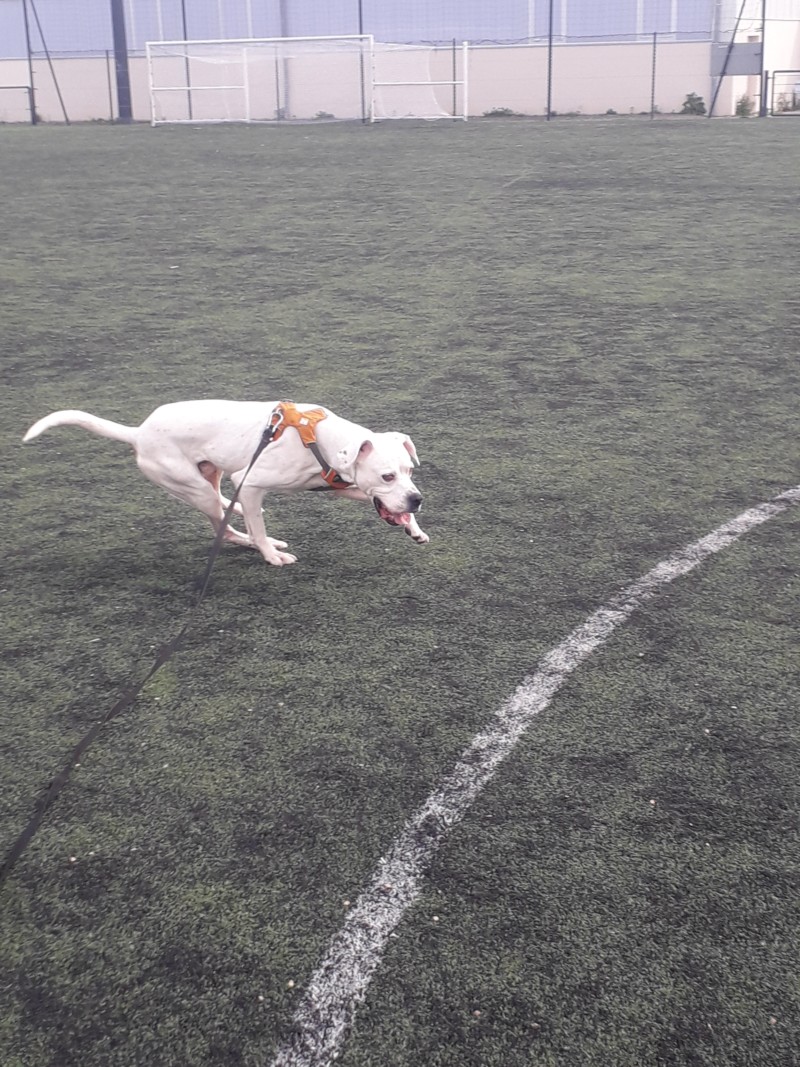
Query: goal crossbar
point(366, 37)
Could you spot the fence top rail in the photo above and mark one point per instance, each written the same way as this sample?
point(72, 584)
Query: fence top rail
point(646, 40)
point(196, 88)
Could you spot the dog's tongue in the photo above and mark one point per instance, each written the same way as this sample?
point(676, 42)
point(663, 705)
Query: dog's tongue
point(394, 518)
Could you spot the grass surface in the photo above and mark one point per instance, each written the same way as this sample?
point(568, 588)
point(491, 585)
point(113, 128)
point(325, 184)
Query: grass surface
point(591, 332)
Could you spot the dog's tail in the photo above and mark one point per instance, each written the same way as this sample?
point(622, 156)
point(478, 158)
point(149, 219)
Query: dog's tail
point(102, 427)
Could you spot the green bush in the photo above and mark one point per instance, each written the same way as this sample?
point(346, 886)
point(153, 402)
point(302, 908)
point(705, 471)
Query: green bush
point(501, 113)
point(693, 105)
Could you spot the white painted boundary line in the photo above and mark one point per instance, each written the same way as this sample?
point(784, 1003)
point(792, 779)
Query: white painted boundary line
point(339, 985)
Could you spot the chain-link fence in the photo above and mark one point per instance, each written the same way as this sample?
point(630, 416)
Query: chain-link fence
point(83, 27)
point(529, 57)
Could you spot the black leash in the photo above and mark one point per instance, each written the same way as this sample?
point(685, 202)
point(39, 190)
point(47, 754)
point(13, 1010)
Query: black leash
point(163, 655)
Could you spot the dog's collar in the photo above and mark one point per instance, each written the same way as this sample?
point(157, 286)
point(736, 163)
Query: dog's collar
point(287, 415)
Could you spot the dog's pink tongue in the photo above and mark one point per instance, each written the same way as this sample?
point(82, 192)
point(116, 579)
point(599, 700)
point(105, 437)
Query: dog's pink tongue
point(395, 518)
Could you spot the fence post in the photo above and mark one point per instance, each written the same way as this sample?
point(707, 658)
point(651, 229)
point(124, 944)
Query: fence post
point(186, 66)
point(364, 118)
point(31, 89)
point(762, 104)
point(124, 109)
point(653, 79)
point(549, 61)
point(110, 87)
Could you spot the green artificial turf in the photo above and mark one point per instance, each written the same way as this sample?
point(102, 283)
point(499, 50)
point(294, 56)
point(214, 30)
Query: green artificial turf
point(590, 330)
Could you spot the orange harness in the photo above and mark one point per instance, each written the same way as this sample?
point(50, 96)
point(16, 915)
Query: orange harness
point(287, 416)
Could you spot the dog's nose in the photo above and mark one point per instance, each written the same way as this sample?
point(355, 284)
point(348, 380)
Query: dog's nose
point(414, 501)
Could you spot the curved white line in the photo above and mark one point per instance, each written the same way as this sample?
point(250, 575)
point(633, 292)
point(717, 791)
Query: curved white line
point(326, 1011)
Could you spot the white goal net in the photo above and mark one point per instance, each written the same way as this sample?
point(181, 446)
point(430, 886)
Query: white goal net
point(303, 79)
point(419, 82)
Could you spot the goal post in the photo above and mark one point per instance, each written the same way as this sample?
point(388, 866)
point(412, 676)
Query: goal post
point(303, 79)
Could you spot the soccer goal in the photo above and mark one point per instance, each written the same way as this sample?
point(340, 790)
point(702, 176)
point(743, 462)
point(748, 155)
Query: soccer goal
point(303, 79)
point(419, 81)
point(785, 96)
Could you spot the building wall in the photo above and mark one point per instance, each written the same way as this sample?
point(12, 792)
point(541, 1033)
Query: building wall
point(781, 53)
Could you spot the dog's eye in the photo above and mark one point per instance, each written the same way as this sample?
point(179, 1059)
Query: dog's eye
point(389, 477)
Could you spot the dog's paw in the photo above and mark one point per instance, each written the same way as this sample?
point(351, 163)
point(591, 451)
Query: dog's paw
point(419, 536)
point(275, 556)
point(281, 559)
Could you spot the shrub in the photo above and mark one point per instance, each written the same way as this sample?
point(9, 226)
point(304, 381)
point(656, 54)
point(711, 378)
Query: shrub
point(745, 106)
point(693, 105)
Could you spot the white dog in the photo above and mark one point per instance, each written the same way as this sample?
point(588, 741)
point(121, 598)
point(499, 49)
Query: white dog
point(186, 448)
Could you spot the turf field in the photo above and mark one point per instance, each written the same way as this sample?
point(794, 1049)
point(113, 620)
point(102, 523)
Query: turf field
point(590, 329)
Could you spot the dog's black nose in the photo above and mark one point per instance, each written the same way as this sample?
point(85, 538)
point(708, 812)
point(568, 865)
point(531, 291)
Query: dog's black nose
point(414, 502)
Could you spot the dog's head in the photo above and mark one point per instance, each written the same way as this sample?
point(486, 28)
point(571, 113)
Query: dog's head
point(380, 465)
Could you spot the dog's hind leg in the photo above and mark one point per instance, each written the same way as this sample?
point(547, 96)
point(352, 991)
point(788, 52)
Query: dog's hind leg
point(194, 486)
point(213, 475)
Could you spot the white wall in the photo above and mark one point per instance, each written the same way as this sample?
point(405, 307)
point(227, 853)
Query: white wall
point(589, 79)
point(86, 87)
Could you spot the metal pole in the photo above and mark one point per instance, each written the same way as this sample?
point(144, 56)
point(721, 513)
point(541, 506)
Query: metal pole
point(364, 118)
point(465, 76)
point(49, 61)
point(550, 61)
point(278, 112)
point(653, 79)
point(110, 87)
point(31, 90)
point(283, 11)
point(186, 66)
point(727, 59)
point(762, 104)
point(131, 19)
point(124, 108)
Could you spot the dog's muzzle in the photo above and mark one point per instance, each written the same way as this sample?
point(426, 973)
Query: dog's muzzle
point(398, 518)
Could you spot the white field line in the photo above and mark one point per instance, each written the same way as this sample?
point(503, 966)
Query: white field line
point(326, 1011)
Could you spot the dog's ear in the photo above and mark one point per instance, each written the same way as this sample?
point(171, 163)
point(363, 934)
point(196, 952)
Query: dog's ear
point(408, 445)
point(347, 457)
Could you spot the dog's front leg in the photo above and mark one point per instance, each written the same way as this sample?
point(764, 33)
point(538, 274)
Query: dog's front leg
point(413, 530)
point(250, 498)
